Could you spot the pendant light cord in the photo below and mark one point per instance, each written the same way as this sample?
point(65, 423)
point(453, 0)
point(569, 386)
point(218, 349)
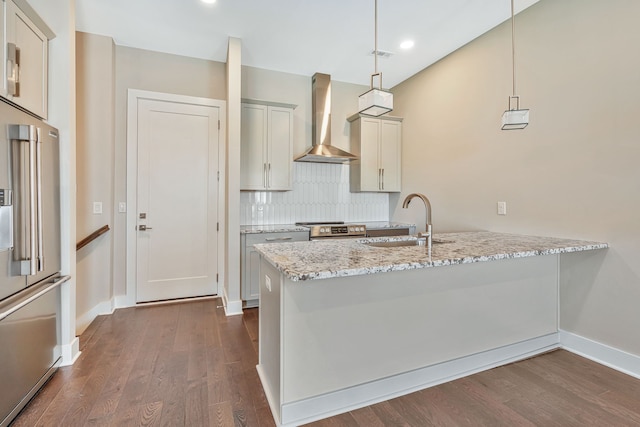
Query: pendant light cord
point(375, 37)
point(513, 49)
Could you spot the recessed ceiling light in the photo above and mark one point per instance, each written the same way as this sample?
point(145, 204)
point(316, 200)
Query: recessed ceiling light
point(407, 44)
point(208, 1)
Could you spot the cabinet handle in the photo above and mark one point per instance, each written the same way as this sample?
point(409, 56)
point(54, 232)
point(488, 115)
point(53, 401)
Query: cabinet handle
point(13, 69)
point(269, 175)
point(383, 178)
point(277, 239)
point(264, 175)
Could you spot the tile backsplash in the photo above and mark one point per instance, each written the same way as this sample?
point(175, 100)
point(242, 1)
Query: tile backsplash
point(320, 193)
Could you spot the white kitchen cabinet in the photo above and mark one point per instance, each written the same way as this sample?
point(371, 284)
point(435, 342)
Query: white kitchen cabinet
point(266, 148)
point(3, 88)
point(25, 68)
point(377, 141)
point(250, 260)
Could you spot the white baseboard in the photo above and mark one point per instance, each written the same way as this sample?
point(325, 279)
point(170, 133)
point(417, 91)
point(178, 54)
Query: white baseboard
point(601, 353)
point(275, 411)
point(231, 308)
point(318, 407)
point(122, 301)
point(105, 307)
point(70, 352)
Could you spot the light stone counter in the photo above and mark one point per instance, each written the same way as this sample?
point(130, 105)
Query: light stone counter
point(271, 228)
point(351, 257)
point(376, 225)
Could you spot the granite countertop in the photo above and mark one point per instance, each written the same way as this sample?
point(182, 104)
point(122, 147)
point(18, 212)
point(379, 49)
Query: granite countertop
point(375, 225)
point(272, 228)
point(288, 228)
point(325, 259)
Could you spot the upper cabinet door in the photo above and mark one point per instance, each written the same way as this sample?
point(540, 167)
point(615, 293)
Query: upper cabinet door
point(253, 146)
point(370, 171)
point(26, 62)
point(266, 150)
point(280, 159)
point(390, 155)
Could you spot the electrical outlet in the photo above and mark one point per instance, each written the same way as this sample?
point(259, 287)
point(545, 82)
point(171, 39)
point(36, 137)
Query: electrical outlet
point(97, 207)
point(502, 208)
point(122, 207)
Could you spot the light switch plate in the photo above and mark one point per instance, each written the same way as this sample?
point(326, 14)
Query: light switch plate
point(122, 207)
point(502, 208)
point(97, 207)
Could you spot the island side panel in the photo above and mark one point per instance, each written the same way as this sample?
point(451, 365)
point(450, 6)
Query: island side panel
point(347, 331)
point(269, 343)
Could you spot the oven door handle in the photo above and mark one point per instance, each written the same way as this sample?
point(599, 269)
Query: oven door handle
point(278, 239)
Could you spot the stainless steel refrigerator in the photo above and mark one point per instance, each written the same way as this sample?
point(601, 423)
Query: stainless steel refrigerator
point(29, 257)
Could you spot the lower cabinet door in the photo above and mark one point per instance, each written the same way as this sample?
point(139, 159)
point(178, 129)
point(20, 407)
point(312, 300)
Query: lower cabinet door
point(253, 275)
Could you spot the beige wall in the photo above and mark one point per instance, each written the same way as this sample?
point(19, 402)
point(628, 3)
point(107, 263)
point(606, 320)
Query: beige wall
point(94, 166)
point(573, 172)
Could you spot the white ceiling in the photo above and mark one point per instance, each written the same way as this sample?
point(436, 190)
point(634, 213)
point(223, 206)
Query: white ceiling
point(300, 36)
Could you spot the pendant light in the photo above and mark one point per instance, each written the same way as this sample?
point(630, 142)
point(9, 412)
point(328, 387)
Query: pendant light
point(376, 101)
point(514, 117)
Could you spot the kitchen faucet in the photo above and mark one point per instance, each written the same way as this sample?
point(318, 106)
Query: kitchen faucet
point(427, 205)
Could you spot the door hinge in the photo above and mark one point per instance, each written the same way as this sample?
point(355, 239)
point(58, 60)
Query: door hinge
point(218, 124)
point(218, 175)
point(217, 226)
point(216, 277)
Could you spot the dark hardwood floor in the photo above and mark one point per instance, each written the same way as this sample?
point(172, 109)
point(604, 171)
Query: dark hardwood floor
point(186, 364)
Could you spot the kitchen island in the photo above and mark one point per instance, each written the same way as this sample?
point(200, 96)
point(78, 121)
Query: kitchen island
point(344, 324)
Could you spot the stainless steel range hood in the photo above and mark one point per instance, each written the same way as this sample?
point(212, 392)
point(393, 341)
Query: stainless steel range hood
point(321, 150)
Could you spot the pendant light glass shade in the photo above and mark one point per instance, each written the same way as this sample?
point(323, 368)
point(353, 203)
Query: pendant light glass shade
point(515, 118)
point(376, 101)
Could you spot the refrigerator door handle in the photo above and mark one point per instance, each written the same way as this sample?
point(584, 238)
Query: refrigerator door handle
point(27, 254)
point(32, 254)
point(39, 228)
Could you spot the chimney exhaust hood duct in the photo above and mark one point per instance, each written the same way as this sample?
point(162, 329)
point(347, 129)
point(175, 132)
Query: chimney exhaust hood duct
point(321, 150)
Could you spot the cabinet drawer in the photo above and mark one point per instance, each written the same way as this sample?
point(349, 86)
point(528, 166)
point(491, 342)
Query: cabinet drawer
point(294, 236)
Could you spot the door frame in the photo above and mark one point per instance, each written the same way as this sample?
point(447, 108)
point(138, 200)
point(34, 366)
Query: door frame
point(133, 97)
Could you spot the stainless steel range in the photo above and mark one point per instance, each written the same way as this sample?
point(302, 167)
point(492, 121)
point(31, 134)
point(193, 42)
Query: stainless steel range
point(333, 229)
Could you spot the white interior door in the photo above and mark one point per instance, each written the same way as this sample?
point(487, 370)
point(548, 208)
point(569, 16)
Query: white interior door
point(177, 197)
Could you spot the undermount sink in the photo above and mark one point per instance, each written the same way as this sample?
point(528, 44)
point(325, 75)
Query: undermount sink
point(401, 243)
